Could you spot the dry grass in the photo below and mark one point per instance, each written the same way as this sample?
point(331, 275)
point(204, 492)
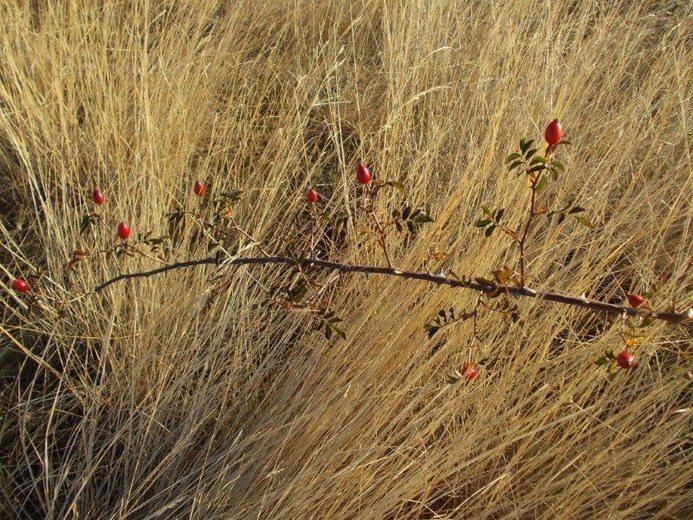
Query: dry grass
point(161, 398)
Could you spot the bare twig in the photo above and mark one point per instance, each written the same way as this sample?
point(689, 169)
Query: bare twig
point(685, 317)
point(525, 232)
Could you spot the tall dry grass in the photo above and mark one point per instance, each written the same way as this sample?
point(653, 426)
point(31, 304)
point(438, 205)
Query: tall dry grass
point(180, 397)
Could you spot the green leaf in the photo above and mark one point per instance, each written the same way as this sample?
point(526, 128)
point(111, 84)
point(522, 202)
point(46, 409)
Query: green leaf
point(585, 222)
point(499, 215)
point(512, 157)
point(514, 165)
point(406, 212)
point(397, 186)
point(431, 329)
point(85, 224)
point(530, 153)
point(538, 159)
point(340, 331)
point(537, 168)
point(525, 145)
point(558, 165)
point(423, 219)
point(541, 184)
point(490, 230)
point(486, 210)
point(602, 361)
point(576, 209)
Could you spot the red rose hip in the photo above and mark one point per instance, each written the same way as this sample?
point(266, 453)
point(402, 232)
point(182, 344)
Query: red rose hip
point(20, 286)
point(635, 300)
point(123, 231)
point(363, 174)
point(470, 371)
point(97, 196)
point(312, 196)
point(199, 188)
point(625, 360)
point(553, 132)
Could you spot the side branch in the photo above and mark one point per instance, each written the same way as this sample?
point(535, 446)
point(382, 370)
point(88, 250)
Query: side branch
point(581, 301)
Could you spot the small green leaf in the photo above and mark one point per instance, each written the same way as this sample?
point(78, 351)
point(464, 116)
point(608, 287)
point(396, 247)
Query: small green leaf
point(406, 212)
point(530, 153)
point(339, 330)
point(512, 157)
point(486, 210)
point(514, 165)
point(482, 223)
point(537, 160)
point(431, 329)
point(499, 215)
point(541, 184)
point(585, 222)
point(525, 145)
point(537, 168)
point(397, 186)
point(576, 209)
point(490, 230)
point(558, 165)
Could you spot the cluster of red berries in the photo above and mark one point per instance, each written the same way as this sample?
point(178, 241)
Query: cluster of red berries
point(123, 229)
point(363, 175)
point(553, 135)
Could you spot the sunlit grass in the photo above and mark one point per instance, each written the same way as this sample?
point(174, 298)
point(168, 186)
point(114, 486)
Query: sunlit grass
point(190, 396)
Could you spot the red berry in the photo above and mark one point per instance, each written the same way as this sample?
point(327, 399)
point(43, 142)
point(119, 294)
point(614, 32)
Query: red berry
point(363, 174)
point(123, 231)
point(312, 196)
point(635, 300)
point(97, 196)
point(470, 371)
point(625, 359)
point(20, 286)
point(199, 188)
point(553, 132)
